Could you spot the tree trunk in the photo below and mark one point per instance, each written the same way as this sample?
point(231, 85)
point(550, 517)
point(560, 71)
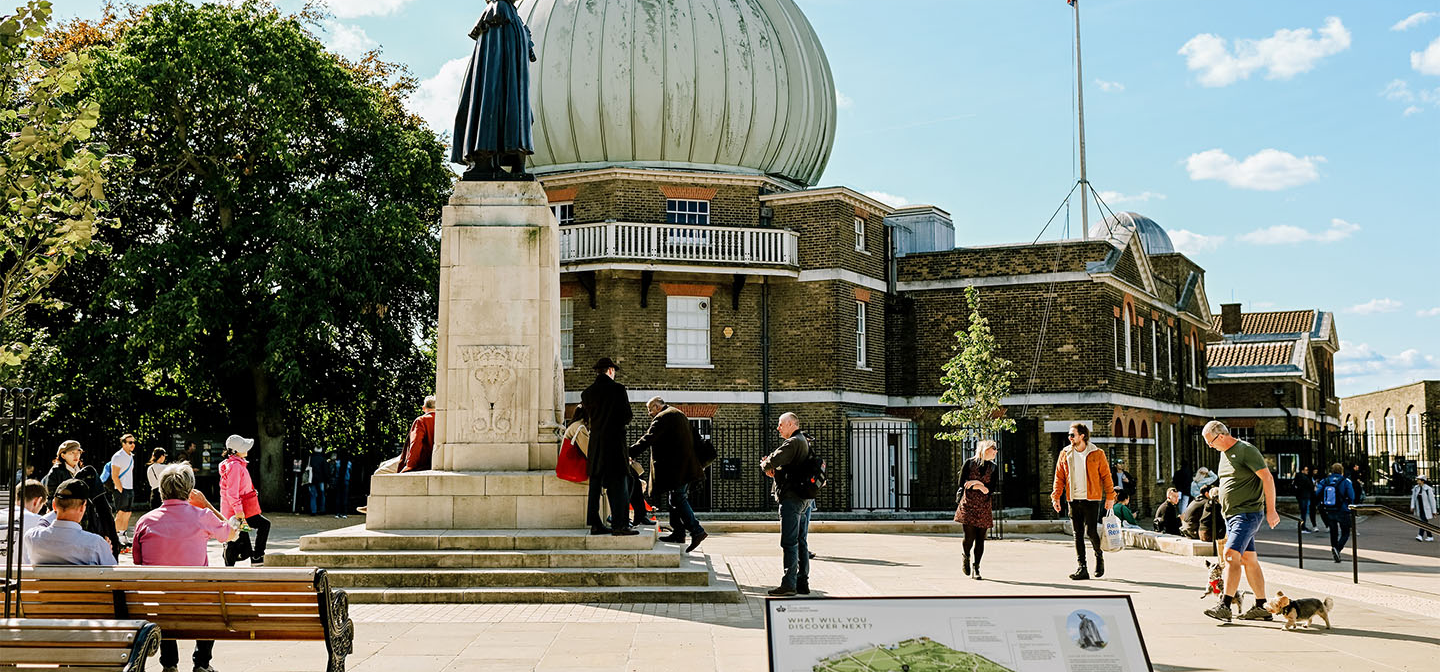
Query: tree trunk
point(270, 437)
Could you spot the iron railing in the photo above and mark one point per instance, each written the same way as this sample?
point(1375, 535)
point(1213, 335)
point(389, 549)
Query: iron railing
point(1380, 509)
point(677, 242)
point(16, 408)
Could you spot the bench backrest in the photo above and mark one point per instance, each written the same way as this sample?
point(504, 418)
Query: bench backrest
point(77, 644)
point(186, 602)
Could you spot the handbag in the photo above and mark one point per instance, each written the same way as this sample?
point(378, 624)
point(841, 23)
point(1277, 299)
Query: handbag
point(1113, 539)
point(571, 465)
point(250, 503)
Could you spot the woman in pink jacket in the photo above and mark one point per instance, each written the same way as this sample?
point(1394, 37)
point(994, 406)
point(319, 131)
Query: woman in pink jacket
point(238, 498)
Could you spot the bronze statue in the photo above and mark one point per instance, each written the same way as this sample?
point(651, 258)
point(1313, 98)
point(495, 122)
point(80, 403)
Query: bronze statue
point(492, 124)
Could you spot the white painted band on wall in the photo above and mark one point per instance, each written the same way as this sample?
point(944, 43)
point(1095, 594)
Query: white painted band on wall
point(993, 281)
point(823, 274)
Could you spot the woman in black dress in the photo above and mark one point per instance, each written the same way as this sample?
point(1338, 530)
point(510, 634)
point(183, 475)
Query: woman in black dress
point(977, 475)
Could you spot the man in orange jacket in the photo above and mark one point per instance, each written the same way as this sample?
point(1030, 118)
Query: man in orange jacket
point(1082, 476)
point(421, 441)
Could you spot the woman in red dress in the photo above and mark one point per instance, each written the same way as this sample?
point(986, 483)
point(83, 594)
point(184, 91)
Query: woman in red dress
point(973, 512)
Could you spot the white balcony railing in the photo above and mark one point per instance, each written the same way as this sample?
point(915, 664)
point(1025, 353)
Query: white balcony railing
point(673, 242)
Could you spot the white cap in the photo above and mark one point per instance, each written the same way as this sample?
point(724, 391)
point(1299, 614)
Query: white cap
point(239, 443)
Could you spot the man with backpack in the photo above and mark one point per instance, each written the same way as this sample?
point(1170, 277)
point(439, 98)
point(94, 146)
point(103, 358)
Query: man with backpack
point(122, 478)
point(798, 476)
point(675, 465)
point(1334, 494)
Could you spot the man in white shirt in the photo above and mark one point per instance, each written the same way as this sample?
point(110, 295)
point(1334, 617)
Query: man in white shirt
point(63, 542)
point(122, 476)
point(32, 497)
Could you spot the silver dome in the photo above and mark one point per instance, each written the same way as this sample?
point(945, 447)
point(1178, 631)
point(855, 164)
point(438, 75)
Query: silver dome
point(1125, 224)
point(739, 86)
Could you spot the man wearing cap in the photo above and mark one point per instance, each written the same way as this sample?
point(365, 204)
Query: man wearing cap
point(608, 405)
point(239, 498)
point(64, 542)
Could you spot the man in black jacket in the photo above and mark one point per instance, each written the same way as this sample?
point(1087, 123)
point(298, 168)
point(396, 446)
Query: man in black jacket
point(607, 404)
point(671, 441)
point(1167, 517)
point(795, 507)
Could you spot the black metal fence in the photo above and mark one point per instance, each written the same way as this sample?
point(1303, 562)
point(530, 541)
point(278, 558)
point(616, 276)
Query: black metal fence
point(872, 465)
point(1388, 464)
point(16, 409)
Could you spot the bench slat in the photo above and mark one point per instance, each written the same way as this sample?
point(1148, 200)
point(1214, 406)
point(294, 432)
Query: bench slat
point(97, 638)
point(64, 585)
point(64, 655)
point(144, 611)
point(72, 624)
point(149, 573)
point(108, 597)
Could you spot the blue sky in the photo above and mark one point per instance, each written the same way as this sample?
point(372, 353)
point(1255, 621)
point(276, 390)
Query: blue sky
point(1291, 147)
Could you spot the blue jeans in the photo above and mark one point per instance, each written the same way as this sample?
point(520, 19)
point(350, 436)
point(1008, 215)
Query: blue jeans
point(1305, 504)
point(317, 497)
point(1240, 530)
point(794, 530)
point(682, 516)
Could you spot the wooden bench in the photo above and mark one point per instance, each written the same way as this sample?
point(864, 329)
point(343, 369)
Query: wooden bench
point(284, 604)
point(89, 645)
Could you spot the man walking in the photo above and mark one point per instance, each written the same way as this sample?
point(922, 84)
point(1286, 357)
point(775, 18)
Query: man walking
point(607, 403)
point(671, 441)
point(1082, 476)
point(421, 443)
point(796, 500)
point(1334, 494)
point(1304, 496)
point(122, 477)
point(1247, 498)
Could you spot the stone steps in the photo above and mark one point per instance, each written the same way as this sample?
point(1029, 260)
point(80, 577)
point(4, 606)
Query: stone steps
point(452, 559)
point(553, 595)
point(358, 538)
point(518, 578)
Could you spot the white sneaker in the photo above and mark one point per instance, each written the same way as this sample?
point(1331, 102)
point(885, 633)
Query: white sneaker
point(1429, 538)
point(1419, 538)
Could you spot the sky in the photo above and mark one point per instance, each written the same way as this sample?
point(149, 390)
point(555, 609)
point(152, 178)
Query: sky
point(1290, 147)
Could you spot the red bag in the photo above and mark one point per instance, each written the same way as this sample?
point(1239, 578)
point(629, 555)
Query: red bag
point(250, 504)
point(572, 465)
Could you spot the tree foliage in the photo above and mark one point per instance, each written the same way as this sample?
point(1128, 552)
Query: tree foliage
point(276, 264)
point(52, 174)
point(976, 380)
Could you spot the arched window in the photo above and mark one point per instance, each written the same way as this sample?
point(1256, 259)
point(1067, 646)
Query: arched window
point(1119, 428)
point(1132, 433)
point(1392, 439)
point(1129, 340)
point(1144, 429)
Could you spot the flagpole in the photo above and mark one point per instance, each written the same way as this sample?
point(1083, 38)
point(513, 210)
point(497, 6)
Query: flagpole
point(1080, 99)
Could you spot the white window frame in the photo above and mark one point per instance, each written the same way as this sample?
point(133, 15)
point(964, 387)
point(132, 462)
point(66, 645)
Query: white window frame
point(1392, 437)
point(567, 332)
point(1169, 353)
point(676, 309)
point(564, 212)
point(1194, 357)
point(1156, 436)
point(1412, 431)
point(1129, 316)
point(1171, 431)
point(1369, 434)
point(1115, 326)
point(1154, 348)
point(860, 245)
point(687, 211)
point(861, 352)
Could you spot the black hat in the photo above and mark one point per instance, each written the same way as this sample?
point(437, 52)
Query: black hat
point(605, 364)
point(73, 489)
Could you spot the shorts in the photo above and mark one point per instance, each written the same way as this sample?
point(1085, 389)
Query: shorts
point(125, 500)
point(1240, 530)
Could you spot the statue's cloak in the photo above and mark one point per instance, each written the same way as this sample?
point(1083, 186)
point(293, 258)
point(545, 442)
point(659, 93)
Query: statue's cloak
point(494, 115)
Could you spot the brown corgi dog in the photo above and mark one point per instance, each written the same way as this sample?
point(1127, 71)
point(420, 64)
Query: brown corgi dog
point(1304, 609)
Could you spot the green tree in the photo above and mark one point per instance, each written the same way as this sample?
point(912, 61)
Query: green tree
point(277, 258)
point(52, 175)
point(976, 380)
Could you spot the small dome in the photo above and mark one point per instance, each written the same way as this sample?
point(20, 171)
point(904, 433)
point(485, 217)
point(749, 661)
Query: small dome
point(1152, 236)
point(740, 86)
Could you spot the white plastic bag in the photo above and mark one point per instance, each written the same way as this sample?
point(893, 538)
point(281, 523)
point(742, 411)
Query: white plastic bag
point(1114, 539)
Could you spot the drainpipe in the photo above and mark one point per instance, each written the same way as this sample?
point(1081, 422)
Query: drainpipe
point(765, 352)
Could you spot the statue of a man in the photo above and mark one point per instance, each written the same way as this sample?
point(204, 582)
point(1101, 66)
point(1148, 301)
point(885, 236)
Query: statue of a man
point(492, 124)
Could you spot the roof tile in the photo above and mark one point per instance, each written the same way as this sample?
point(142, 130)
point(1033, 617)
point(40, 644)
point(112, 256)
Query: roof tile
point(1276, 322)
point(1250, 354)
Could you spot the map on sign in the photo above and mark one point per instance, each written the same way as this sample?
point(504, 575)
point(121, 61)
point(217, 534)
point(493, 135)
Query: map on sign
point(921, 654)
point(1030, 633)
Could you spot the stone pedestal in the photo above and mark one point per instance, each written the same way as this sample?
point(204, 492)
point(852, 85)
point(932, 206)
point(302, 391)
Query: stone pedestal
point(499, 380)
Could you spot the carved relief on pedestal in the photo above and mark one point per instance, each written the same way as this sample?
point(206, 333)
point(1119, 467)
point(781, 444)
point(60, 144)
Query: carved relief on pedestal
point(493, 409)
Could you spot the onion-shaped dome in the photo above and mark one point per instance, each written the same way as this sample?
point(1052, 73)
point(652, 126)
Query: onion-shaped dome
point(737, 86)
point(1152, 237)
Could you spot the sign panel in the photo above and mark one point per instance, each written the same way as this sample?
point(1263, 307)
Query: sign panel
point(1080, 633)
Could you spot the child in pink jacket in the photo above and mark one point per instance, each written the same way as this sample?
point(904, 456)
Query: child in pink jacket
point(238, 498)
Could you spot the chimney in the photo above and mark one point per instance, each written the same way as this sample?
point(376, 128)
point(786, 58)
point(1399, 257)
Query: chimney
point(1229, 318)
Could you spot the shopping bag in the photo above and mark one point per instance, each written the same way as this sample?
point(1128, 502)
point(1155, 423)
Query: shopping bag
point(1114, 539)
point(571, 465)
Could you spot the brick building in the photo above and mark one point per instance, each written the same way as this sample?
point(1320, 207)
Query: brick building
point(1399, 422)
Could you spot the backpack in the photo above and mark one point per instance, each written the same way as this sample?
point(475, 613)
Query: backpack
point(1330, 493)
point(105, 474)
point(806, 477)
point(705, 451)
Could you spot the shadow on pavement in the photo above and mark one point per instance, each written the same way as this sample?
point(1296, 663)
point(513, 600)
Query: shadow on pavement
point(863, 561)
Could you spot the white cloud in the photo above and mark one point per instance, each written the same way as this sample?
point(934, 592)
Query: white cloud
point(1187, 242)
point(1427, 62)
point(1109, 87)
point(435, 99)
point(1413, 109)
point(1265, 170)
point(1262, 305)
point(1414, 20)
point(843, 101)
point(1285, 234)
point(1283, 55)
point(1374, 306)
point(349, 9)
point(1355, 360)
point(889, 199)
point(346, 40)
point(1142, 197)
point(1399, 90)
point(1428, 312)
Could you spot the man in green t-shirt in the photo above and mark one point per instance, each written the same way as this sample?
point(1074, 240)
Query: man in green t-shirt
point(1247, 498)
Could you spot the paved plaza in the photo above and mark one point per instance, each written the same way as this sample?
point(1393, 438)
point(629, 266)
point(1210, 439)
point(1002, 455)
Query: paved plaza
point(1389, 621)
